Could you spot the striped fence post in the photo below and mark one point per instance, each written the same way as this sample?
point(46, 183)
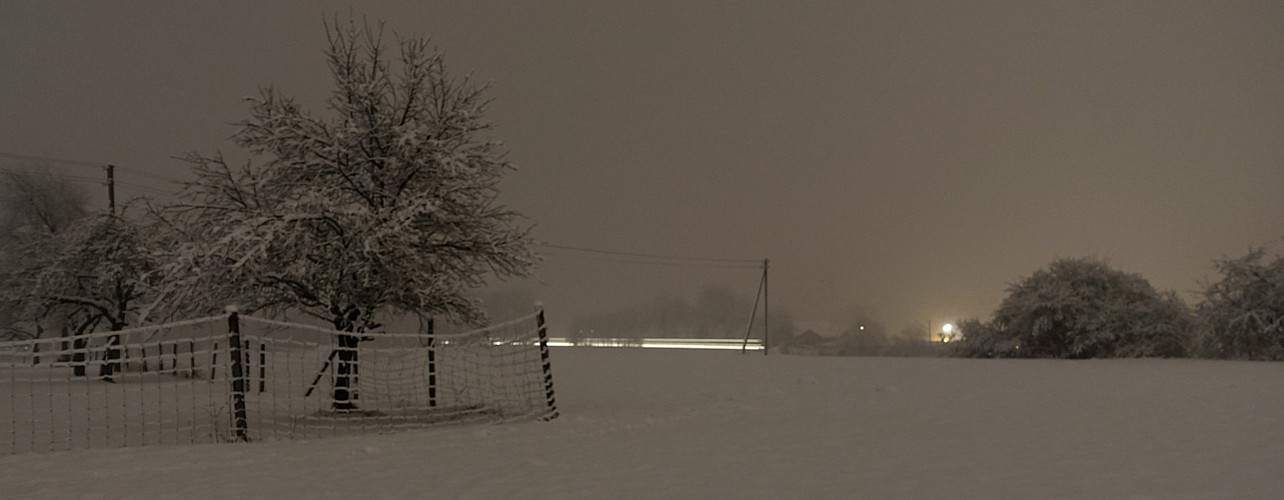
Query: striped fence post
point(239, 420)
point(432, 366)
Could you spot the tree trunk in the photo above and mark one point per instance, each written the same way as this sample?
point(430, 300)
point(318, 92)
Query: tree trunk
point(345, 372)
point(81, 346)
point(63, 356)
point(112, 354)
point(346, 357)
point(78, 356)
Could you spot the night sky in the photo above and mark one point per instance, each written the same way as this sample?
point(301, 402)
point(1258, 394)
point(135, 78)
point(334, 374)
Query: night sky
point(906, 160)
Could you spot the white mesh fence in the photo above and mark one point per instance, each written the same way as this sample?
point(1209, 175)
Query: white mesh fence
point(176, 383)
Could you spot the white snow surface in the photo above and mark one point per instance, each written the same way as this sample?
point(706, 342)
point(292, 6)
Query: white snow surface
point(645, 423)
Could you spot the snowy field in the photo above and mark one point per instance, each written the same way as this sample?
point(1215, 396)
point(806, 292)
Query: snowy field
point(647, 423)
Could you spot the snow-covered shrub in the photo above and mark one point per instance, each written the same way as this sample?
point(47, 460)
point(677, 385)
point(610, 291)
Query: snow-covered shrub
point(1082, 308)
point(980, 340)
point(1242, 315)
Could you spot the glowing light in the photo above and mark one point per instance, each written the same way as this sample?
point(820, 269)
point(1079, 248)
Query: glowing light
point(659, 343)
point(947, 329)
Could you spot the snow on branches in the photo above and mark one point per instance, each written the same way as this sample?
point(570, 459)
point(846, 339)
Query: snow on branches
point(1082, 308)
point(102, 269)
point(384, 205)
point(1243, 312)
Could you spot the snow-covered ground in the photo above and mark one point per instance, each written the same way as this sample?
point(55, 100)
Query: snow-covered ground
point(644, 423)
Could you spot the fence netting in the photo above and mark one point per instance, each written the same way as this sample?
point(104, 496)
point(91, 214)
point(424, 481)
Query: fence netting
point(177, 383)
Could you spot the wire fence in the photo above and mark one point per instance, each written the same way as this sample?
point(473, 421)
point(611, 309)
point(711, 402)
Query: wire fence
point(241, 378)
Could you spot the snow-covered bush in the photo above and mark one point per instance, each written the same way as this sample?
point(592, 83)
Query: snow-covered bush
point(1082, 308)
point(1242, 315)
point(981, 340)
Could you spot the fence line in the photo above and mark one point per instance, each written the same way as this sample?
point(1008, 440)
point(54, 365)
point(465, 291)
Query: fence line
point(234, 377)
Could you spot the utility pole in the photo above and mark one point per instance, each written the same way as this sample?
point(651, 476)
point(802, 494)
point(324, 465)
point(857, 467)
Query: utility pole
point(111, 188)
point(766, 328)
point(761, 294)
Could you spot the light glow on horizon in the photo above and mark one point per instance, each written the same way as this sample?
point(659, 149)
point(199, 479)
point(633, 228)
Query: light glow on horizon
point(661, 343)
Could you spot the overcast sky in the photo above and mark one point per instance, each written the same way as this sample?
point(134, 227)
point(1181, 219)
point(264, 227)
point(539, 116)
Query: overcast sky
point(903, 159)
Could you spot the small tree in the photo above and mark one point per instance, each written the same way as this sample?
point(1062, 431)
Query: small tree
point(1082, 308)
point(386, 206)
point(35, 206)
point(1242, 315)
point(101, 270)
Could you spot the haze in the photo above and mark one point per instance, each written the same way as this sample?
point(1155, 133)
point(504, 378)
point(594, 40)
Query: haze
point(903, 159)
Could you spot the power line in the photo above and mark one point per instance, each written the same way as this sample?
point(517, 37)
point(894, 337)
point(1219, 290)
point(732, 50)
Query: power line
point(649, 256)
point(78, 163)
point(688, 264)
point(146, 189)
point(95, 181)
point(70, 177)
point(549, 245)
point(63, 162)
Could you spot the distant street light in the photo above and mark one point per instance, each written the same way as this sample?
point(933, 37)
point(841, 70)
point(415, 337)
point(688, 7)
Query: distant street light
point(947, 332)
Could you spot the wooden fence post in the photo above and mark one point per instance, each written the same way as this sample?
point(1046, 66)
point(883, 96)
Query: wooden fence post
point(548, 367)
point(239, 420)
point(432, 366)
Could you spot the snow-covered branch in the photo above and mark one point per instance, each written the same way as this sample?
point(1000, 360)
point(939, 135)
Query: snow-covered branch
point(384, 205)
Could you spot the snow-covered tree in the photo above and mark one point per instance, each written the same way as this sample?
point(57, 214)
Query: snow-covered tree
point(35, 201)
point(35, 205)
point(101, 271)
point(1242, 315)
point(1082, 308)
point(384, 205)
